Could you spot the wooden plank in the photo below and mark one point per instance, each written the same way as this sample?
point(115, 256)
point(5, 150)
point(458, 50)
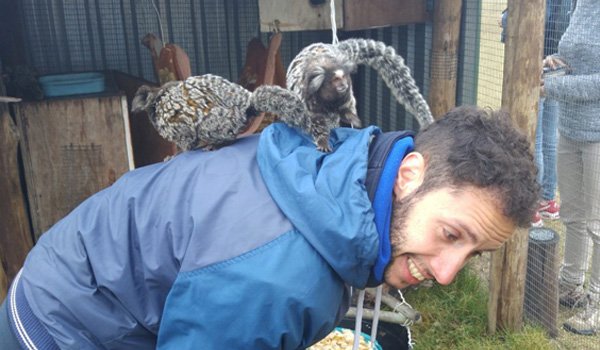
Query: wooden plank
point(350, 14)
point(520, 93)
point(15, 231)
point(71, 149)
point(444, 56)
point(297, 15)
point(361, 14)
point(3, 283)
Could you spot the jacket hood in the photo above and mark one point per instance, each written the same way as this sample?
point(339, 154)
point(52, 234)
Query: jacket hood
point(324, 194)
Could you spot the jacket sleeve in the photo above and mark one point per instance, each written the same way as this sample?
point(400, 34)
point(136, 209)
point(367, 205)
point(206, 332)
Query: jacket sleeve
point(574, 88)
point(282, 295)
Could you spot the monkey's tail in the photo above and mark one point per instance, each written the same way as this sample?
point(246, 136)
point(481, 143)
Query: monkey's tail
point(395, 73)
point(287, 105)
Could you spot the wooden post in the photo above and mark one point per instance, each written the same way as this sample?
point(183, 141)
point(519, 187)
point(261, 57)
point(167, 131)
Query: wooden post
point(3, 283)
point(444, 56)
point(520, 95)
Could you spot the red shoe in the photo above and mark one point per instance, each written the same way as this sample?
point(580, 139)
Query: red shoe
point(536, 220)
point(549, 209)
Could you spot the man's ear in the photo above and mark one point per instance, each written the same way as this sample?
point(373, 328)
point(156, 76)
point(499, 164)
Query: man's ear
point(410, 174)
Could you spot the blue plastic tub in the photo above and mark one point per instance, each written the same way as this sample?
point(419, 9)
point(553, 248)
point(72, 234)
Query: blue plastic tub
point(72, 84)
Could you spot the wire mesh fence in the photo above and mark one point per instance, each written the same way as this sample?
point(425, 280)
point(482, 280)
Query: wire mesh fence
point(563, 272)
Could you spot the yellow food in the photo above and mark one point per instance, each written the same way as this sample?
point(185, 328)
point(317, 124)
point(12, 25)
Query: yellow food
point(339, 340)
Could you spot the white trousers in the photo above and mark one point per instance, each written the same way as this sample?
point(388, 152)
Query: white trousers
point(578, 166)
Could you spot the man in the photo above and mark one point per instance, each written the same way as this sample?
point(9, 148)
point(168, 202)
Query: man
point(254, 246)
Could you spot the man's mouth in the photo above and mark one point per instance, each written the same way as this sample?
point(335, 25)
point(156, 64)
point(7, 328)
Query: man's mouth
point(414, 271)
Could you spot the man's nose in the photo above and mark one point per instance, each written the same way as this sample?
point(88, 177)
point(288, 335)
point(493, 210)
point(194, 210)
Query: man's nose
point(447, 265)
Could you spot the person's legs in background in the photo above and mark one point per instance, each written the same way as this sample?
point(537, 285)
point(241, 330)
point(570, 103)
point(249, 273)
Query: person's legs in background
point(549, 209)
point(570, 185)
point(578, 170)
point(545, 158)
point(536, 220)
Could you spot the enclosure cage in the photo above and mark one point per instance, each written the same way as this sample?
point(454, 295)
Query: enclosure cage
point(48, 168)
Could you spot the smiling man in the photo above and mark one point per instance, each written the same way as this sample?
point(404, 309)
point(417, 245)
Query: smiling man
point(463, 191)
point(254, 246)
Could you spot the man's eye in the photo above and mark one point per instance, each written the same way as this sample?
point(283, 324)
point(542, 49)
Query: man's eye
point(450, 236)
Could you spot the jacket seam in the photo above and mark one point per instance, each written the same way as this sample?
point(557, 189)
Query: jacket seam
point(247, 255)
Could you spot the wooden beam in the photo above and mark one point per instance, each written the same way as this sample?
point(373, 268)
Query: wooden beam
point(520, 95)
point(295, 15)
point(360, 14)
point(444, 56)
point(3, 283)
point(299, 15)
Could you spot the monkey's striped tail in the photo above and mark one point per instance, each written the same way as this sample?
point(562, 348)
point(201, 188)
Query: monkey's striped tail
point(287, 105)
point(395, 73)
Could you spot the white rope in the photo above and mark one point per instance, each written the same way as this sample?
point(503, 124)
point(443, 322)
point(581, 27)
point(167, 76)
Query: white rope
point(358, 321)
point(160, 25)
point(333, 25)
point(408, 324)
point(375, 323)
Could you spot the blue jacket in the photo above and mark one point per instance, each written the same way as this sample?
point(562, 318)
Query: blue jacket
point(248, 247)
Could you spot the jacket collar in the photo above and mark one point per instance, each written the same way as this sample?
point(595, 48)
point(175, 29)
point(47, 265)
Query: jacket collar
point(385, 155)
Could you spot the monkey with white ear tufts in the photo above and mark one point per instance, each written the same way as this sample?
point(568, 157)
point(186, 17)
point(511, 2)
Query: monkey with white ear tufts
point(383, 58)
point(329, 88)
point(325, 85)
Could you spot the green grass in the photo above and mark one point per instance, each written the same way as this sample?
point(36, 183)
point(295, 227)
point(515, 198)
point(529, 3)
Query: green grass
point(455, 317)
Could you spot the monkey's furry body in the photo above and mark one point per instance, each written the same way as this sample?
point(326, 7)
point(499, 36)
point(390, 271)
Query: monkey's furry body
point(321, 77)
point(381, 57)
point(208, 111)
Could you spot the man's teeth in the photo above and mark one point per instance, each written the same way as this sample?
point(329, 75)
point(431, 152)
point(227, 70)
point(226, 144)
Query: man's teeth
point(414, 271)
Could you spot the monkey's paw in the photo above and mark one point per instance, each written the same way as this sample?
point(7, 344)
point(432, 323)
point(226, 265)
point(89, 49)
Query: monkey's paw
point(323, 145)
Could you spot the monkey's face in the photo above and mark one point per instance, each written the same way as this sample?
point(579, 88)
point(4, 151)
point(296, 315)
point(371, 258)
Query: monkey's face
point(336, 84)
point(333, 83)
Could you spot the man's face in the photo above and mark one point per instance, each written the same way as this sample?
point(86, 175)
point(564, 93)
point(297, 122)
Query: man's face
point(434, 233)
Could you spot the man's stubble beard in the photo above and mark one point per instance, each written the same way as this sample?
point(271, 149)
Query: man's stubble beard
point(401, 210)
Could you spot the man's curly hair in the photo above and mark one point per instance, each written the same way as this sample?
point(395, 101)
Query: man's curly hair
point(481, 148)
